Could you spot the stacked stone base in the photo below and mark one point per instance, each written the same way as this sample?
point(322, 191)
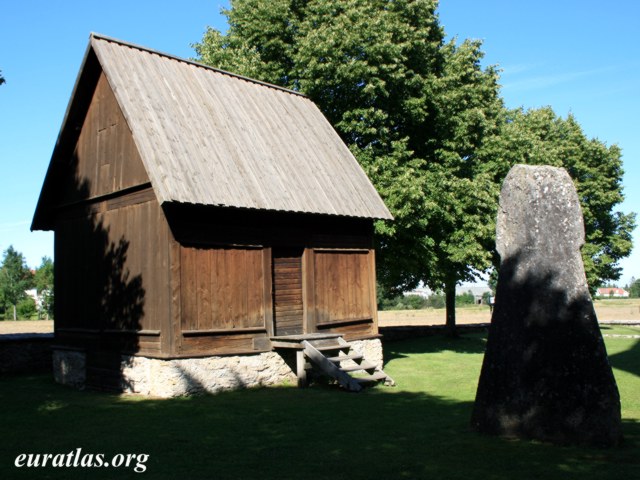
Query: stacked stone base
point(188, 376)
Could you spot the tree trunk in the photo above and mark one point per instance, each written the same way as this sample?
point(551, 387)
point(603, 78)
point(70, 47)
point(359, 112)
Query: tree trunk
point(15, 315)
point(450, 301)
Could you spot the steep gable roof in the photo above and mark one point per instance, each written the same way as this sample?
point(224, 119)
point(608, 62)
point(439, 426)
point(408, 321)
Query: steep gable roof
point(209, 137)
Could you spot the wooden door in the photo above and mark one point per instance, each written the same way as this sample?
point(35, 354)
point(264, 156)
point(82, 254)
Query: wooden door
point(287, 291)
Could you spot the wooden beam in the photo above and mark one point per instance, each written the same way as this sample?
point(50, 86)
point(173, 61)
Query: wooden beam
point(268, 291)
point(223, 331)
point(344, 322)
point(308, 291)
point(301, 363)
point(173, 343)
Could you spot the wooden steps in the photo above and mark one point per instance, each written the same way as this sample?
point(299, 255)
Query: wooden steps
point(331, 355)
point(342, 358)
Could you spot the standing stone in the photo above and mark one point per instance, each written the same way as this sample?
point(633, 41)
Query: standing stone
point(546, 373)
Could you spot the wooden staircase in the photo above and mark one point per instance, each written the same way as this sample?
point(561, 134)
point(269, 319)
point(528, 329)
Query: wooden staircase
point(334, 357)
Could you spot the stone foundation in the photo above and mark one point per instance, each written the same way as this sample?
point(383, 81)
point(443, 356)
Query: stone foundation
point(371, 349)
point(186, 376)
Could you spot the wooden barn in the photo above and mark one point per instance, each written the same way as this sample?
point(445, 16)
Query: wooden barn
point(203, 223)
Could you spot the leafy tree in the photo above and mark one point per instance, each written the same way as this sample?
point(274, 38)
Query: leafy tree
point(541, 137)
point(1, 78)
point(486, 298)
point(416, 111)
point(634, 289)
point(15, 279)
point(44, 284)
point(26, 308)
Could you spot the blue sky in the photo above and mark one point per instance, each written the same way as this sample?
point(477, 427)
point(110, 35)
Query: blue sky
point(578, 56)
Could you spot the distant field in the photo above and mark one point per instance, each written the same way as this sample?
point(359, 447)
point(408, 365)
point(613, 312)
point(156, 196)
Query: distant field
point(607, 310)
point(26, 326)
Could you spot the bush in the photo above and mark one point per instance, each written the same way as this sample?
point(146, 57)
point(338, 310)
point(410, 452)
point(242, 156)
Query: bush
point(437, 300)
point(26, 308)
point(403, 302)
point(414, 302)
point(465, 299)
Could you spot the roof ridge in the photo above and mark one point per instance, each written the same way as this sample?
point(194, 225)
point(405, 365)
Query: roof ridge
point(107, 38)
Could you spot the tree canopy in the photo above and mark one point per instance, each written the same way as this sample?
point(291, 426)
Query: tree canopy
point(427, 123)
point(43, 281)
point(15, 279)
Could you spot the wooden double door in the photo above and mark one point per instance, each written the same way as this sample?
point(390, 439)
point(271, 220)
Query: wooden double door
point(288, 306)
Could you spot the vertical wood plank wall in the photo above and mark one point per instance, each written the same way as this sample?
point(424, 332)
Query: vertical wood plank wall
point(112, 276)
point(223, 301)
point(111, 240)
point(344, 292)
point(106, 159)
point(287, 291)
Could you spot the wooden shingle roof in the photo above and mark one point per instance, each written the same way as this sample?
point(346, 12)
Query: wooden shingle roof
point(209, 137)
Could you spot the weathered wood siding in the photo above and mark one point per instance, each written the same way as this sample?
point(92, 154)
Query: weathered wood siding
point(111, 240)
point(224, 299)
point(112, 275)
point(288, 305)
point(105, 159)
point(319, 275)
point(342, 298)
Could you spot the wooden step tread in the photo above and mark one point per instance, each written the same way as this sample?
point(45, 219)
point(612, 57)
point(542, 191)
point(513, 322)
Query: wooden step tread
point(324, 348)
point(354, 368)
point(376, 377)
point(351, 356)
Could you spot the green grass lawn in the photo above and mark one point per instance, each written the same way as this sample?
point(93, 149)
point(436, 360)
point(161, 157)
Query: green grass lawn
point(419, 429)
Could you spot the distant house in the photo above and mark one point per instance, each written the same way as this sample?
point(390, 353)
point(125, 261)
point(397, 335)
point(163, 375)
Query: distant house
point(612, 292)
point(477, 291)
point(199, 217)
point(421, 291)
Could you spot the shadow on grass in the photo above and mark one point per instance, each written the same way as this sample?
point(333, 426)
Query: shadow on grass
point(629, 360)
point(281, 433)
point(464, 343)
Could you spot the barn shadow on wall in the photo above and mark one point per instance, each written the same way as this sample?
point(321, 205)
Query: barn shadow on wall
point(100, 296)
